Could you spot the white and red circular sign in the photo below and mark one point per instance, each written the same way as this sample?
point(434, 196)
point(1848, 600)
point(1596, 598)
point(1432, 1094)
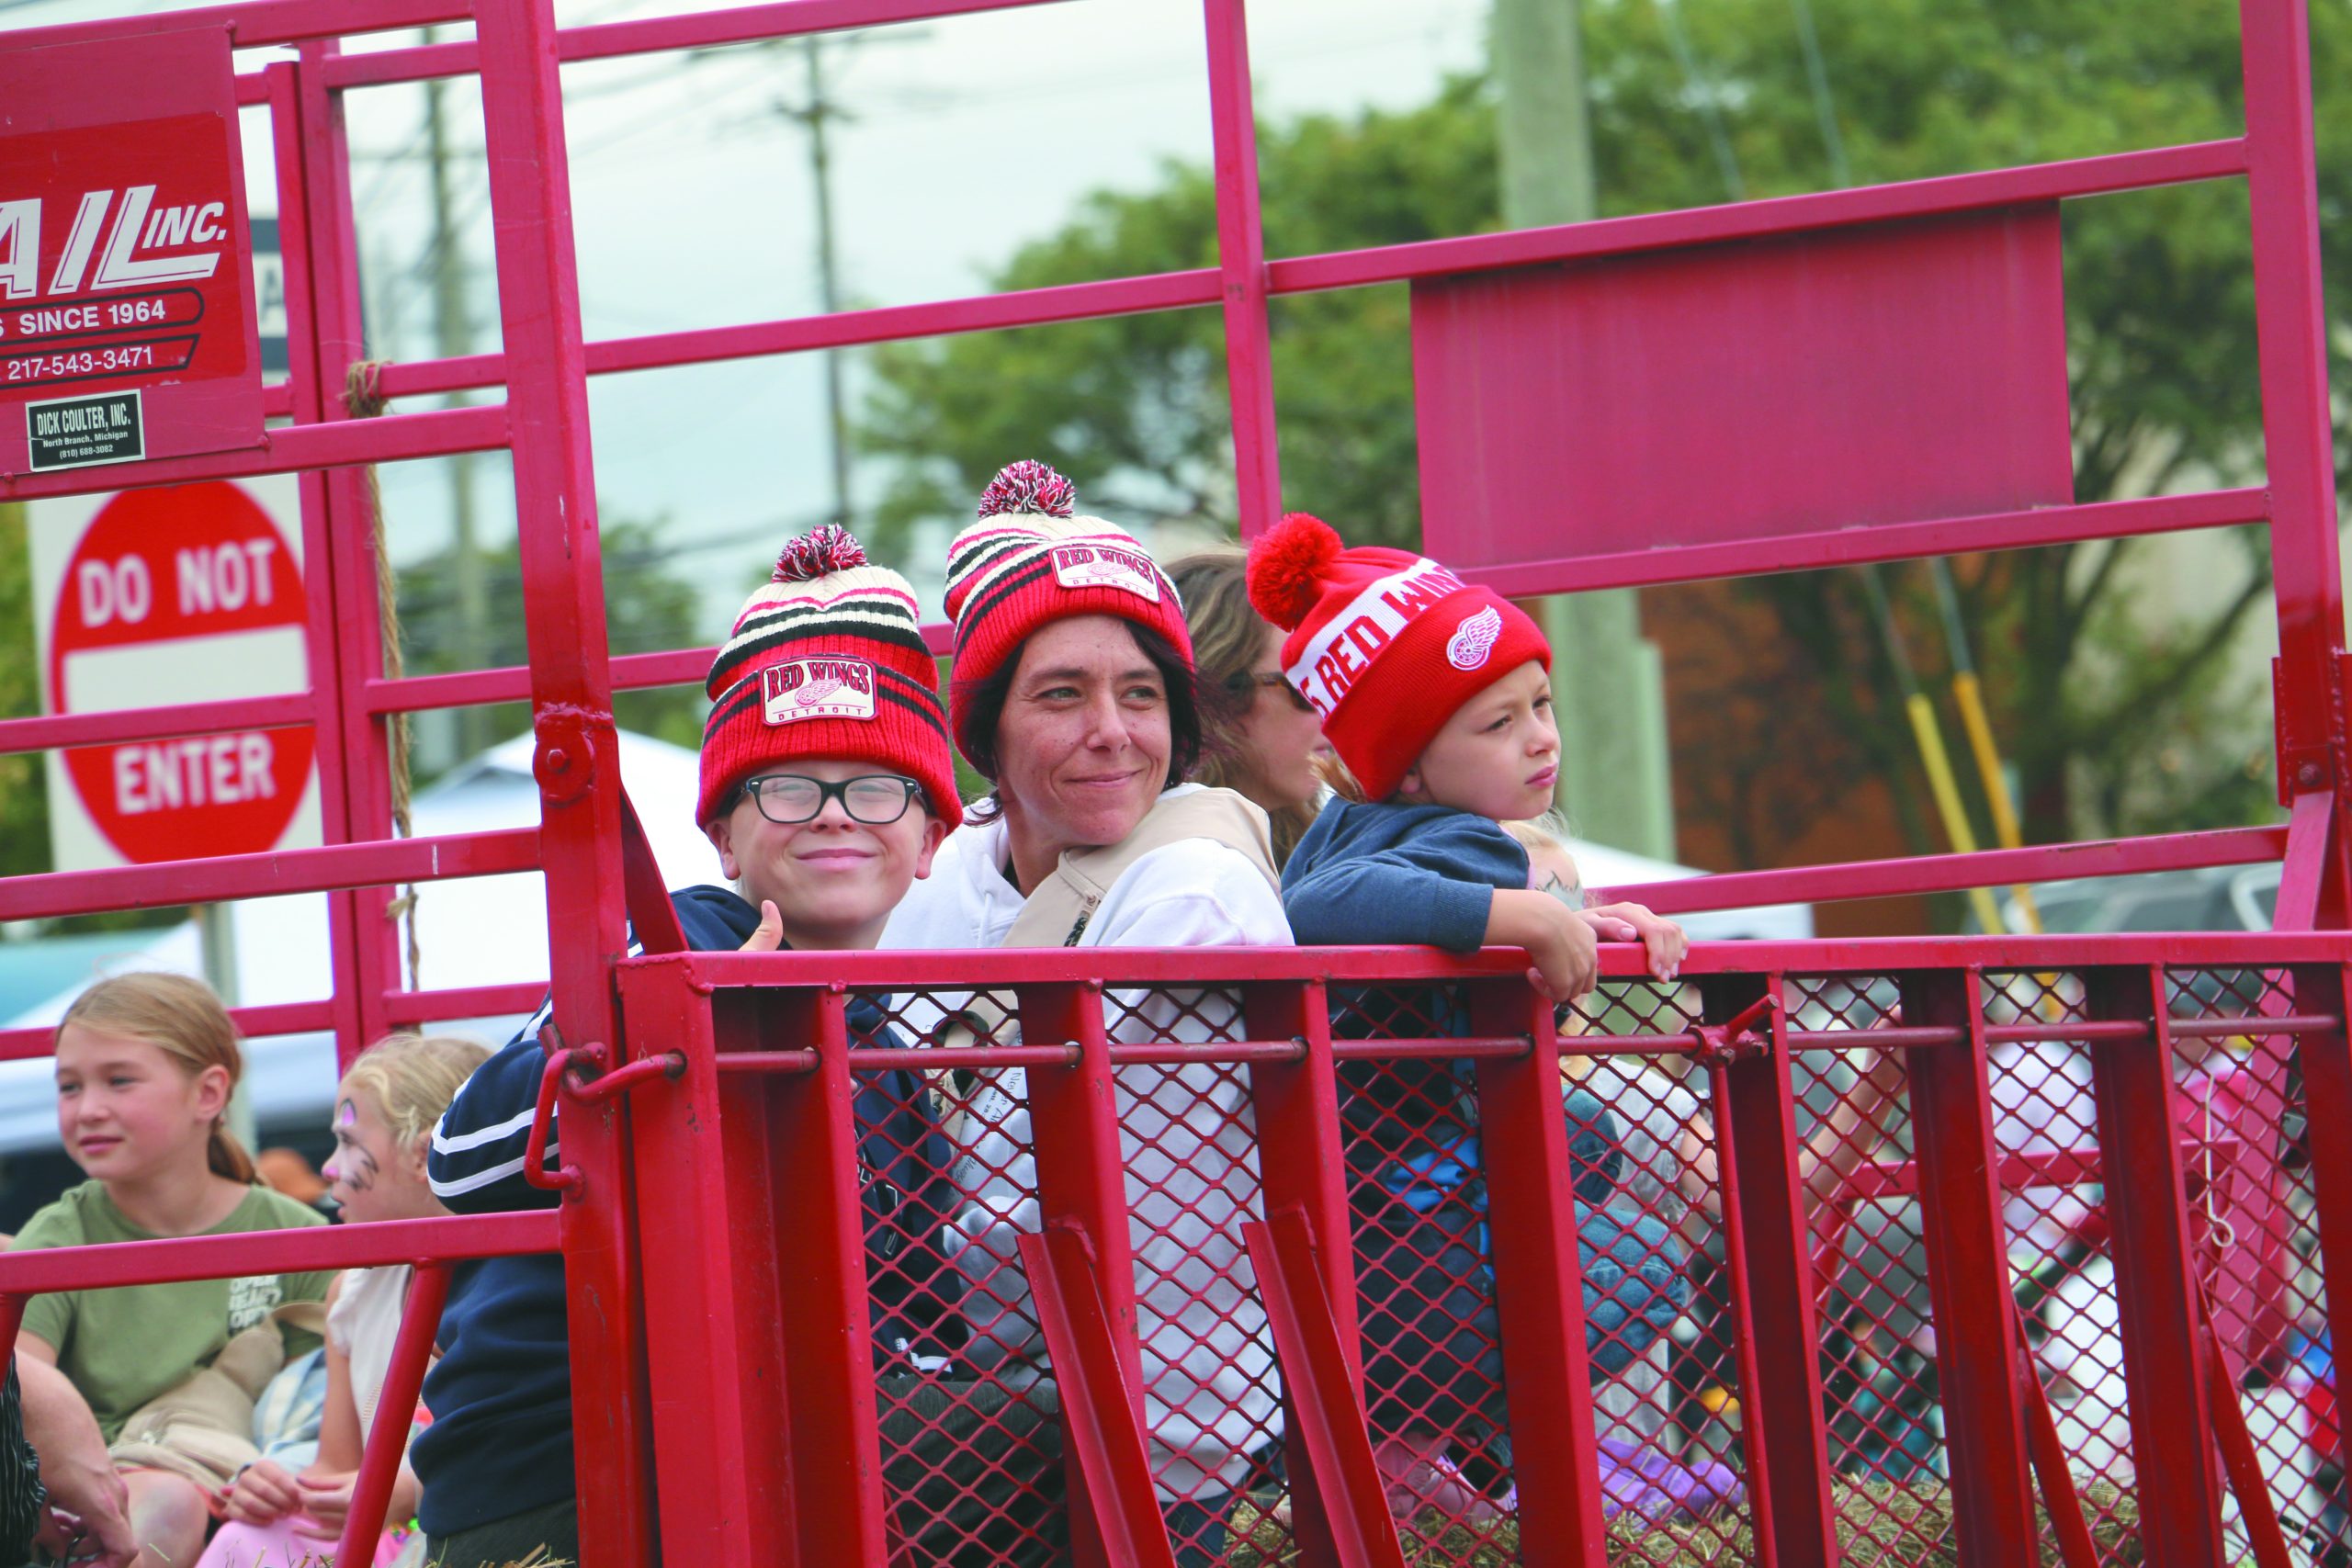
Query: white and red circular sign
point(179, 594)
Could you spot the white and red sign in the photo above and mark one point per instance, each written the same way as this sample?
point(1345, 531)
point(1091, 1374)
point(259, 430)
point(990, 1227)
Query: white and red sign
point(159, 598)
point(1122, 567)
point(127, 321)
point(817, 688)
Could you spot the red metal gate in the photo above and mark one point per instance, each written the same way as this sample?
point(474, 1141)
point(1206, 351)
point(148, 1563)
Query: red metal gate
point(2114, 1004)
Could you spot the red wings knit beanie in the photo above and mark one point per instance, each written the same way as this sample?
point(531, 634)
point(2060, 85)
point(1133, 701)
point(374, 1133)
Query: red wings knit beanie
point(827, 661)
point(1386, 644)
point(1029, 560)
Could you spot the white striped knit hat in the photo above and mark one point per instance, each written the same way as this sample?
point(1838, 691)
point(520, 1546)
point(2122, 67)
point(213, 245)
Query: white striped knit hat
point(827, 661)
point(1029, 560)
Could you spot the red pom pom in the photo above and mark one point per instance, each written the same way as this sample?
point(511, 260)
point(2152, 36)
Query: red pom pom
point(1287, 564)
point(1028, 486)
point(827, 548)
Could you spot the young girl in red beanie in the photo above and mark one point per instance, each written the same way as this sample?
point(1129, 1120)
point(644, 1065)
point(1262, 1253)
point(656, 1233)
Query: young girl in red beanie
point(1436, 695)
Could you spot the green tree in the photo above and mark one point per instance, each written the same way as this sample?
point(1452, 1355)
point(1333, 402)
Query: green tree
point(2093, 701)
point(648, 608)
point(24, 798)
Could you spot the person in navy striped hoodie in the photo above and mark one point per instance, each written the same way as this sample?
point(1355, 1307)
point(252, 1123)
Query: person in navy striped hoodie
point(826, 786)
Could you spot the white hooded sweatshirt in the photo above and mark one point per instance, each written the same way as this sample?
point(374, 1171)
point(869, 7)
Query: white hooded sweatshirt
point(1187, 1142)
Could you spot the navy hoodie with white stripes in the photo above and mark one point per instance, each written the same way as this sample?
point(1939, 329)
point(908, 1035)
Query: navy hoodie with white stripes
point(500, 1442)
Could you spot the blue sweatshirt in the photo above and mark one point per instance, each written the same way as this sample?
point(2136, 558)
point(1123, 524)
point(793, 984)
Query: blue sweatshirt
point(1389, 874)
point(500, 1442)
point(1383, 875)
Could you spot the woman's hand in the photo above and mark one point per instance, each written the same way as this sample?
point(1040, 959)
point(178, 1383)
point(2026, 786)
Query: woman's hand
point(1558, 941)
point(263, 1493)
point(1667, 944)
point(326, 1499)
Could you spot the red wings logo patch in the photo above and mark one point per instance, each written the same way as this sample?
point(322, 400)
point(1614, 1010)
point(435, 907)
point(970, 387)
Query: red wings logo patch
point(1475, 639)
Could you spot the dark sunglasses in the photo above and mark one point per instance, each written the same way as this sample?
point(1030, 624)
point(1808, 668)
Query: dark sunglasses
point(1276, 679)
point(786, 799)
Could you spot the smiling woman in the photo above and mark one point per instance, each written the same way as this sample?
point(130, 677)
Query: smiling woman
point(1074, 694)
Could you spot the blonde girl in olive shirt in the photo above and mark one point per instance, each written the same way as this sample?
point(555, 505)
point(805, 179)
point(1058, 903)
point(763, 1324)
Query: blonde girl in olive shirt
point(145, 1065)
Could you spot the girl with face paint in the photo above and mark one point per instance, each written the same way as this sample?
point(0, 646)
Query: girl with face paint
point(385, 1109)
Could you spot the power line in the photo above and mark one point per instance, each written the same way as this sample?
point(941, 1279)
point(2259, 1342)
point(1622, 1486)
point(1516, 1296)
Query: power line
point(1702, 97)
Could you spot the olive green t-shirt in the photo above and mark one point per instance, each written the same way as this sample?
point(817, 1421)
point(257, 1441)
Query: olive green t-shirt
point(123, 1347)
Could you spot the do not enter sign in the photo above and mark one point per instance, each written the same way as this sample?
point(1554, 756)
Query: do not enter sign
point(186, 593)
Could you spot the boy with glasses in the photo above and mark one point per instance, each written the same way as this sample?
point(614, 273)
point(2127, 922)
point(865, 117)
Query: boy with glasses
point(827, 785)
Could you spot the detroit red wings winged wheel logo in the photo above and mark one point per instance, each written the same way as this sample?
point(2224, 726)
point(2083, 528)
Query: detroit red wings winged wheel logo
point(817, 690)
point(1474, 640)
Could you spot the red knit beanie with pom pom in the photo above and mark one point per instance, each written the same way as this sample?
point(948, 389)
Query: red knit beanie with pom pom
point(1386, 644)
point(827, 662)
point(1028, 560)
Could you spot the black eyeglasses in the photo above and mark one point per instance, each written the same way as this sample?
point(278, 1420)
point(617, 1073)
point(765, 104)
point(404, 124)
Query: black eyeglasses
point(1274, 679)
point(874, 799)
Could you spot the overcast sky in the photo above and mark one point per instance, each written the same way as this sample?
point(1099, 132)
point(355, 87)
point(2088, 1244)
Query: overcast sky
point(693, 206)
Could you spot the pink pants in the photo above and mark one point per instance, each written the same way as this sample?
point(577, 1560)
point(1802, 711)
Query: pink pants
point(280, 1545)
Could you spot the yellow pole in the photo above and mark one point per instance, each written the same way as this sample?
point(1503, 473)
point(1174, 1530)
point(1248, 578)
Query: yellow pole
point(1946, 789)
point(1929, 736)
point(1969, 692)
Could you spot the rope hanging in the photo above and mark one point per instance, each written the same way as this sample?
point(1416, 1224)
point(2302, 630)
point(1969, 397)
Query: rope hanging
point(363, 396)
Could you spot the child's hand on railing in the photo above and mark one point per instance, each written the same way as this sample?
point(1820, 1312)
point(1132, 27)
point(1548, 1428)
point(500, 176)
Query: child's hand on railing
point(1559, 942)
point(768, 935)
point(1666, 941)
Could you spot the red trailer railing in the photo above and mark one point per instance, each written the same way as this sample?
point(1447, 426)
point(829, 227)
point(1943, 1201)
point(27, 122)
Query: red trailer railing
point(1787, 1249)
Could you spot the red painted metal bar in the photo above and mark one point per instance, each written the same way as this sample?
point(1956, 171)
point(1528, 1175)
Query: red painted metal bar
point(312, 1248)
point(1547, 1369)
point(2052, 1467)
point(2155, 1280)
point(2326, 1070)
point(2290, 335)
point(1081, 1191)
point(844, 329)
point(1242, 269)
point(318, 229)
point(813, 1167)
point(256, 23)
point(471, 1002)
point(1977, 1346)
point(1297, 1110)
point(262, 875)
point(1322, 1394)
point(280, 1018)
point(1881, 542)
point(1783, 1437)
point(999, 967)
point(1955, 873)
point(380, 1461)
point(1112, 1498)
point(1756, 219)
point(707, 30)
point(395, 438)
point(2257, 1512)
point(156, 724)
point(12, 1318)
point(701, 1161)
point(713, 1341)
point(563, 595)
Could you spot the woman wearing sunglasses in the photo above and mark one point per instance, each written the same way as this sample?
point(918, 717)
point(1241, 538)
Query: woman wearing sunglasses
point(1258, 735)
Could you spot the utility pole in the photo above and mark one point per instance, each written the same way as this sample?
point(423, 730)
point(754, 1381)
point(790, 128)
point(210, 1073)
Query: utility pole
point(453, 335)
point(814, 114)
point(1607, 682)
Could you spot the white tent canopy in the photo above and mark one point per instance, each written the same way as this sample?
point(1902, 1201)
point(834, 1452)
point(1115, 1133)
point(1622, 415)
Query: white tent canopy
point(492, 931)
point(476, 932)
